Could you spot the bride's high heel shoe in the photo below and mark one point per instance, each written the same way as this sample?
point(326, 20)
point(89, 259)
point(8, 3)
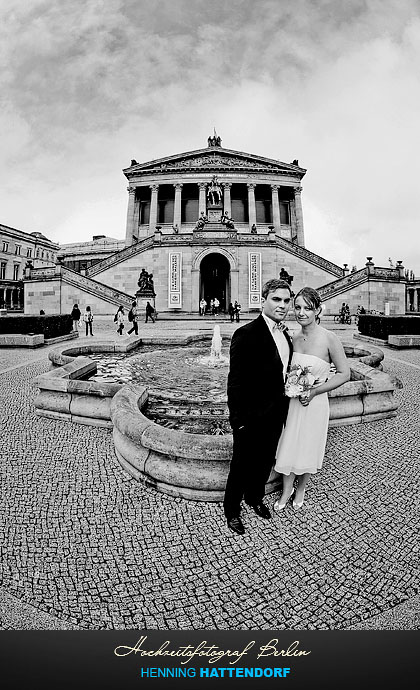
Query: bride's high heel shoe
point(296, 505)
point(279, 506)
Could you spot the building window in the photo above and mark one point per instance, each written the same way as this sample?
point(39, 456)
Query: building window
point(284, 213)
point(17, 249)
point(3, 265)
point(29, 253)
point(16, 272)
point(5, 246)
point(37, 253)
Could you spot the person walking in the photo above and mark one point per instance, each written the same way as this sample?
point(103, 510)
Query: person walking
point(203, 306)
point(237, 310)
point(120, 319)
point(88, 319)
point(149, 312)
point(133, 317)
point(216, 304)
point(260, 354)
point(75, 315)
point(231, 312)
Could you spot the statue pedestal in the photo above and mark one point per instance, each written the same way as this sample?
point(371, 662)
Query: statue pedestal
point(144, 296)
point(214, 213)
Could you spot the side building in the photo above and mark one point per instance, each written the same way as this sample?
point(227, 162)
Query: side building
point(18, 250)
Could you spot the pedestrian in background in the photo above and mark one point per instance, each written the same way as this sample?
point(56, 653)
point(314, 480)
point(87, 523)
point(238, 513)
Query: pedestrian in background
point(120, 319)
point(88, 319)
point(133, 317)
point(75, 315)
point(231, 312)
point(149, 312)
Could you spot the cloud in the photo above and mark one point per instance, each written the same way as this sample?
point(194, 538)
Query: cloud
point(92, 83)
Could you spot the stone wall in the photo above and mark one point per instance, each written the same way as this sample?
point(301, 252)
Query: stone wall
point(124, 276)
point(55, 296)
point(371, 295)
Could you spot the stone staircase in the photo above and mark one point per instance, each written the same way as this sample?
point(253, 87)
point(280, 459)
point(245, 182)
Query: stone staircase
point(342, 285)
point(94, 287)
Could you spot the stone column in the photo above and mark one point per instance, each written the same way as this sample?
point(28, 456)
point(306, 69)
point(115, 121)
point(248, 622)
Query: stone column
point(417, 293)
point(130, 229)
point(177, 204)
point(252, 215)
point(202, 197)
point(227, 204)
point(299, 217)
point(153, 207)
point(275, 206)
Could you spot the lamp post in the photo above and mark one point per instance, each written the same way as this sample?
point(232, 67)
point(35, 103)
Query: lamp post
point(369, 269)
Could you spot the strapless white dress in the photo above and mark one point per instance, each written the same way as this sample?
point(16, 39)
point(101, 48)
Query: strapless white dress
point(301, 446)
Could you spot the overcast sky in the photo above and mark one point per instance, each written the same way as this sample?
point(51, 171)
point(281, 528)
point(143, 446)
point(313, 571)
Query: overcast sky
point(87, 85)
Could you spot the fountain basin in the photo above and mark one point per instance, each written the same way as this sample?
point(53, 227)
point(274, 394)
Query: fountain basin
point(192, 466)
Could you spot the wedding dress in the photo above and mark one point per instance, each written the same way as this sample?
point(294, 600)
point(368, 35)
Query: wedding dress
point(302, 444)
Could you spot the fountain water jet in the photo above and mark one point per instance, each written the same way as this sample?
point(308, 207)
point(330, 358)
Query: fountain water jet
point(215, 359)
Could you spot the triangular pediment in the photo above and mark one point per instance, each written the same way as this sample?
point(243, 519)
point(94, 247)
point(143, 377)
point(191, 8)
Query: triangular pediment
point(212, 159)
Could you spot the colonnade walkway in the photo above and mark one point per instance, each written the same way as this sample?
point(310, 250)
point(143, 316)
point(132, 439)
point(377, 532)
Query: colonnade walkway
point(86, 547)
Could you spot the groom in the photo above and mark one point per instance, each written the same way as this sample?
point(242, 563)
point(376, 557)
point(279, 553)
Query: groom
point(260, 355)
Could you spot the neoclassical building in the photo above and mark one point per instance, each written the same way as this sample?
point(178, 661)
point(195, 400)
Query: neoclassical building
point(209, 223)
point(254, 227)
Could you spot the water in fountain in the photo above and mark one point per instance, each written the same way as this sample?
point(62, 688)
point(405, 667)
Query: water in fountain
point(215, 359)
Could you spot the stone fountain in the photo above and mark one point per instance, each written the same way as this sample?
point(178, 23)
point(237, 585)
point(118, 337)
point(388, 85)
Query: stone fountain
point(174, 461)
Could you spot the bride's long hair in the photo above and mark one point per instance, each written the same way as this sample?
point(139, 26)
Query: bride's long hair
point(312, 299)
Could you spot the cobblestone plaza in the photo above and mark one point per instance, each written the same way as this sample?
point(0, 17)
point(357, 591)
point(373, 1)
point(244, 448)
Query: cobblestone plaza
point(86, 547)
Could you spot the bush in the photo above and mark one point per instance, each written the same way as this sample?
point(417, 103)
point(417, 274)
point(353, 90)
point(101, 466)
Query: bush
point(378, 326)
point(50, 326)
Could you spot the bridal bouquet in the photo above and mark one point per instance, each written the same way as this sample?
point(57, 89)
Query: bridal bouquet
point(299, 381)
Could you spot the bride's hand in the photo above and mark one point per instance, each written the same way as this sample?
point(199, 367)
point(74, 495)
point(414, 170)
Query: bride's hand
point(306, 398)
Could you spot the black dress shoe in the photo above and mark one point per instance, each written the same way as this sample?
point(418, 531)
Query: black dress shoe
point(235, 524)
point(262, 511)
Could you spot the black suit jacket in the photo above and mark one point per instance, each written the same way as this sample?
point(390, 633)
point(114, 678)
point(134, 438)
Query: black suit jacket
point(255, 381)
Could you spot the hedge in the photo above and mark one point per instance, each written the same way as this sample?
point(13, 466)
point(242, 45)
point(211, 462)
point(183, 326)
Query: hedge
point(51, 326)
point(378, 326)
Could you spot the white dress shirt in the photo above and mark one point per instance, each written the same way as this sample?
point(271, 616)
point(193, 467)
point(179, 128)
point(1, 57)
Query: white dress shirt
point(281, 342)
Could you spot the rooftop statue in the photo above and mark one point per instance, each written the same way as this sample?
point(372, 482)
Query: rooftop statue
point(214, 141)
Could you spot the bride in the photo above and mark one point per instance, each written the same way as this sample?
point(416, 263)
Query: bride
point(301, 447)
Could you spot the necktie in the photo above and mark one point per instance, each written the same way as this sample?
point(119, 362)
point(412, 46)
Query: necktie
point(280, 327)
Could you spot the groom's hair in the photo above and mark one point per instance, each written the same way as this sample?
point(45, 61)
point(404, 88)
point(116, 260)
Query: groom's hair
point(273, 285)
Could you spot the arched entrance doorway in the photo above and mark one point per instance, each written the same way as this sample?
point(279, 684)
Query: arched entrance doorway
point(214, 279)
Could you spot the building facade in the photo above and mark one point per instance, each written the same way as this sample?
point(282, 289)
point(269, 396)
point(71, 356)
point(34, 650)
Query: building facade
point(79, 256)
point(206, 224)
point(17, 249)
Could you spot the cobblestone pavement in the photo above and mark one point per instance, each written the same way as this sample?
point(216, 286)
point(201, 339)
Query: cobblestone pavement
point(83, 546)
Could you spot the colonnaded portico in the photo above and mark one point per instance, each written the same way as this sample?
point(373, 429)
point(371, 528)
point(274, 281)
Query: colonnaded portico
point(255, 192)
